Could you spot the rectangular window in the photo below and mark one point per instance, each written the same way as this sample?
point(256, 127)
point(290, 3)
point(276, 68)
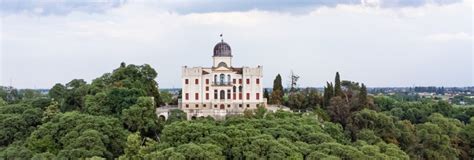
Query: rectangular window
point(207, 88)
point(240, 81)
point(228, 94)
point(215, 94)
point(240, 95)
point(248, 96)
point(196, 96)
point(207, 96)
point(207, 81)
point(234, 81)
point(186, 96)
point(248, 81)
point(196, 81)
point(234, 96)
point(186, 81)
point(257, 81)
point(258, 96)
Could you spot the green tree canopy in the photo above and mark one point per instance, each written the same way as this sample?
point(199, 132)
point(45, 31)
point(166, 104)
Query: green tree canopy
point(79, 135)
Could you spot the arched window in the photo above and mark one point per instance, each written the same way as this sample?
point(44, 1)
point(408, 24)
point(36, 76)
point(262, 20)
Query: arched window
point(222, 78)
point(234, 89)
point(215, 78)
point(240, 88)
point(222, 64)
point(222, 94)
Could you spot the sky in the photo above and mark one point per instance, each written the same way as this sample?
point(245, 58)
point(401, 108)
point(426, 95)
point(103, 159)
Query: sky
point(382, 43)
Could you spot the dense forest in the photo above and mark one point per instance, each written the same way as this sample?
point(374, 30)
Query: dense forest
point(113, 117)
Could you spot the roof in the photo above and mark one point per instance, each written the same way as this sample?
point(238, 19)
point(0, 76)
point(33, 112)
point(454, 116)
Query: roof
point(222, 49)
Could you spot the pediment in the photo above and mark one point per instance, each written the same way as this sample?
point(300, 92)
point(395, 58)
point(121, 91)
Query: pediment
point(221, 69)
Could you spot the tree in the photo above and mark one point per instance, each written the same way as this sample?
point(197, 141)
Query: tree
point(57, 92)
point(339, 110)
point(141, 117)
point(260, 112)
point(339, 150)
point(363, 103)
point(40, 103)
point(337, 86)
point(328, 94)
point(277, 92)
point(87, 144)
point(15, 152)
point(312, 98)
point(132, 76)
point(408, 140)
point(75, 134)
point(433, 143)
point(293, 84)
point(132, 150)
point(113, 92)
point(381, 124)
point(176, 115)
point(296, 101)
point(3, 102)
point(265, 94)
point(385, 103)
point(42, 156)
point(452, 128)
point(468, 134)
point(77, 89)
point(51, 111)
point(202, 151)
point(112, 101)
point(30, 94)
point(17, 121)
point(166, 97)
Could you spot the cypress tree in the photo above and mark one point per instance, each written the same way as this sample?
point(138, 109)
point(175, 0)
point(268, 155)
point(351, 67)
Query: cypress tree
point(278, 85)
point(331, 90)
point(328, 93)
point(363, 97)
point(277, 93)
point(337, 87)
point(325, 97)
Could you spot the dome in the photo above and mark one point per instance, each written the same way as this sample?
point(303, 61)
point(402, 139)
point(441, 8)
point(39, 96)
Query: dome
point(222, 49)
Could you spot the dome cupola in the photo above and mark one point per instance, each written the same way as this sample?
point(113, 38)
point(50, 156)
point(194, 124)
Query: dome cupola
point(222, 49)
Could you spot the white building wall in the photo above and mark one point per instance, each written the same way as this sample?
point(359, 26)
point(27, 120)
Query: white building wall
point(212, 106)
point(217, 60)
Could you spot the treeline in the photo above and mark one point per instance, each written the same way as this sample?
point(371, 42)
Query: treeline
point(113, 117)
point(422, 128)
point(79, 119)
point(431, 89)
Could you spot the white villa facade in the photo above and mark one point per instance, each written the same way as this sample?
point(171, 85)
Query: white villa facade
point(221, 89)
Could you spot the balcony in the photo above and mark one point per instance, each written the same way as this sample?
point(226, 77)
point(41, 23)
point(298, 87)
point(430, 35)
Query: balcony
point(221, 84)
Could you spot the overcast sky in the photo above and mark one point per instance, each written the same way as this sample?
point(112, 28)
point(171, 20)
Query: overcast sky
point(380, 43)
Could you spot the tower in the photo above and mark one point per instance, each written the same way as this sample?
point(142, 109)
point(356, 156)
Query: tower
point(222, 55)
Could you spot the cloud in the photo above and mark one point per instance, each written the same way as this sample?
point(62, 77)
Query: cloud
point(375, 45)
point(450, 36)
point(202, 6)
point(57, 7)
